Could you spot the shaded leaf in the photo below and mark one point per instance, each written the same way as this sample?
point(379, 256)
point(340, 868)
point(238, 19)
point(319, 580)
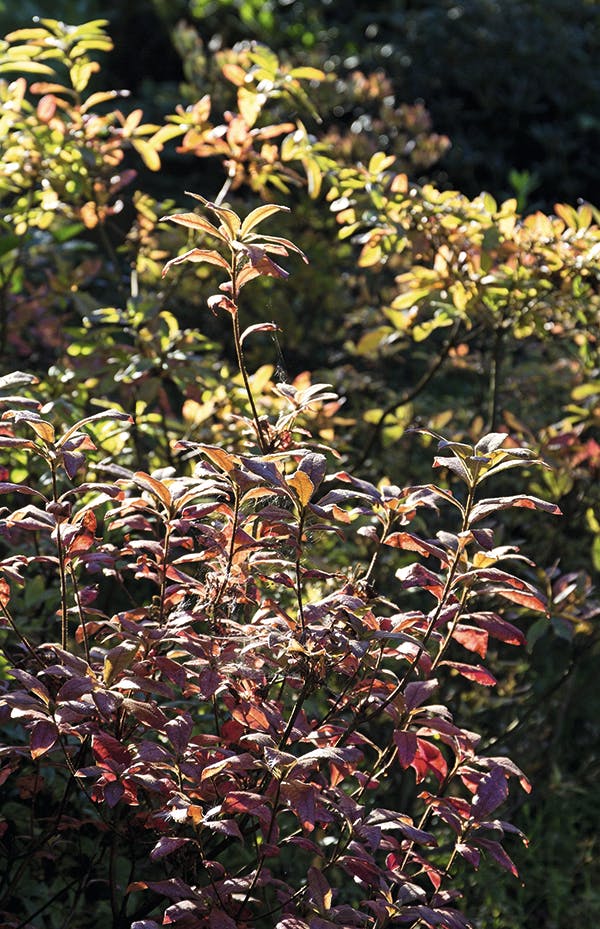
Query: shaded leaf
point(497, 853)
point(166, 845)
point(406, 745)
point(43, 736)
point(492, 791)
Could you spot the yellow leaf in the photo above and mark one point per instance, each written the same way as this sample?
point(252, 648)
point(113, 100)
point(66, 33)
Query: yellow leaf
point(44, 431)
point(380, 162)
point(25, 35)
point(117, 660)
point(148, 154)
point(314, 176)
point(410, 298)
point(259, 215)
point(100, 97)
point(193, 221)
point(303, 486)
point(234, 73)
point(27, 67)
point(308, 74)
point(250, 104)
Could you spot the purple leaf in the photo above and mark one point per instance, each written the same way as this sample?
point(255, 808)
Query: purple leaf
point(491, 792)
point(315, 466)
point(43, 736)
point(495, 851)
point(220, 920)
point(417, 692)
point(265, 469)
point(319, 890)
point(113, 791)
point(166, 845)
point(291, 922)
point(406, 744)
point(7, 487)
point(493, 504)
point(490, 442)
point(178, 732)
point(469, 853)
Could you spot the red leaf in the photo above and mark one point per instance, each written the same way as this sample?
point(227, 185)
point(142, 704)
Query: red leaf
point(475, 640)
point(240, 801)
point(475, 673)
point(107, 749)
point(428, 759)
point(498, 627)
point(412, 543)
point(301, 799)
point(529, 600)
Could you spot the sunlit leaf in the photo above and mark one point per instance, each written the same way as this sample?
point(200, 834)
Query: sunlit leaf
point(259, 215)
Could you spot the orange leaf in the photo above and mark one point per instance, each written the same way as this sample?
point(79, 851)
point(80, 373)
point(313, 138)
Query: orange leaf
point(156, 488)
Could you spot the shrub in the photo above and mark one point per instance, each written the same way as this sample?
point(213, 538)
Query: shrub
point(219, 719)
point(259, 572)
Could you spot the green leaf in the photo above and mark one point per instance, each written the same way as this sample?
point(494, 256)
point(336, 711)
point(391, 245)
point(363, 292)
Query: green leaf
point(8, 242)
point(406, 300)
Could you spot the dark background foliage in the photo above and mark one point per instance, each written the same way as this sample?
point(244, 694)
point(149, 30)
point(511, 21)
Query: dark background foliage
point(515, 86)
